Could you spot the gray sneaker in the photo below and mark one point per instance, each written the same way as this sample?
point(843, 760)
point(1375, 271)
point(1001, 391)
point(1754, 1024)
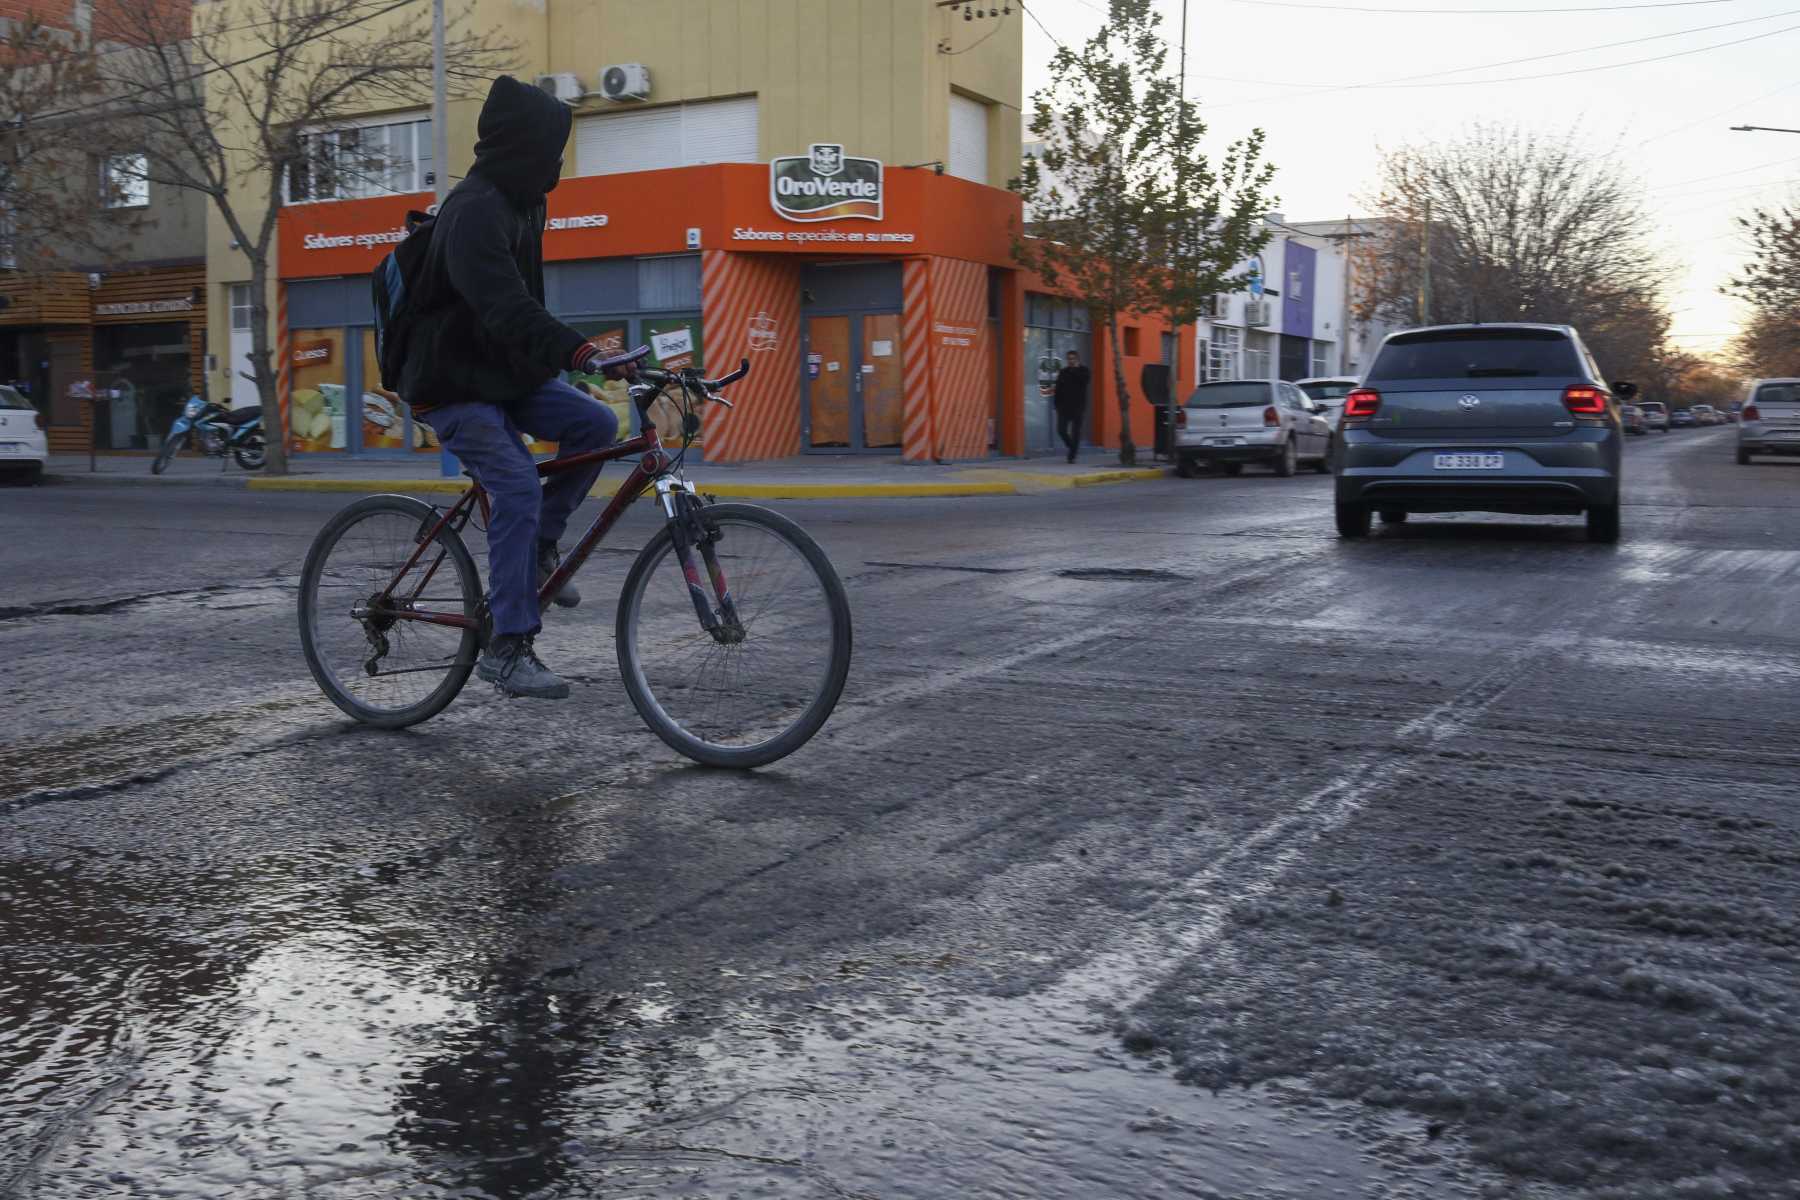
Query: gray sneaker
point(549, 558)
point(511, 664)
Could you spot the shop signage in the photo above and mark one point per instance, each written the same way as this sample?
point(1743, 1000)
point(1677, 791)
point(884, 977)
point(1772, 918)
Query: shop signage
point(134, 307)
point(389, 237)
point(312, 354)
point(825, 184)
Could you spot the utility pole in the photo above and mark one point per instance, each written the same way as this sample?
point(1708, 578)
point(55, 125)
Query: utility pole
point(440, 104)
point(1425, 266)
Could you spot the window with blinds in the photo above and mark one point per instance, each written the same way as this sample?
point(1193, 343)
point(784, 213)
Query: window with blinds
point(968, 139)
point(678, 135)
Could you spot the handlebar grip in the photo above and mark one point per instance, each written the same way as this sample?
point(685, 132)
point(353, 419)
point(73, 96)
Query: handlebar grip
point(713, 385)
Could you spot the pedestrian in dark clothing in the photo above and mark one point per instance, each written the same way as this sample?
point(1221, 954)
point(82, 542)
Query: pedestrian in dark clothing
point(482, 362)
point(1071, 402)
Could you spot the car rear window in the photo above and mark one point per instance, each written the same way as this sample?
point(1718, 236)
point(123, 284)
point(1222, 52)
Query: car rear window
point(11, 399)
point(1327, 391)
point(1778, 393)
point(1476, 354)
point(1652, 406)
point(1229, 395)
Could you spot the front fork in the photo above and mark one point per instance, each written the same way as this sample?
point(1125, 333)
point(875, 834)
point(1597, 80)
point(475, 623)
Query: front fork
point(691, 531)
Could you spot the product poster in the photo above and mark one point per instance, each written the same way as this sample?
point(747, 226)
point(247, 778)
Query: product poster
point(674, 344)
point(383, 413)
point(317, 404)
point(610, 337)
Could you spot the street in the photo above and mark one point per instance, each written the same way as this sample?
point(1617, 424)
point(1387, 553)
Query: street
point(1162, 845)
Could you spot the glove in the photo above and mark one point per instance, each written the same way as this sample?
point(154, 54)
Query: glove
point(587, 354)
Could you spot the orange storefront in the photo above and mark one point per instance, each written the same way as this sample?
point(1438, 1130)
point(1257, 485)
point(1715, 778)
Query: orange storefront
point(880, 307)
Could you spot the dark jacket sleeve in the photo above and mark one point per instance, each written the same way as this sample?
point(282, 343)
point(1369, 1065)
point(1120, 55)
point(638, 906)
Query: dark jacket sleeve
point(478, 258)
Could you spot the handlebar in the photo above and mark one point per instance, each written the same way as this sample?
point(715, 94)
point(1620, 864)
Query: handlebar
point(690, 377)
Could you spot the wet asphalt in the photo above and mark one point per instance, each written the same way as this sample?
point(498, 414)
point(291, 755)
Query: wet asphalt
point(1163, 845)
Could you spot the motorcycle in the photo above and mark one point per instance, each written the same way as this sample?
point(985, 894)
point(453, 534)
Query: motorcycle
point(216, 431)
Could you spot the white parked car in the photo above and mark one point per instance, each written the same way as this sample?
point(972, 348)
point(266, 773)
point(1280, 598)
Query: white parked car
point(1251, 420)
point(1328, 393)
point(1770, 420)
point(24, 451)
point(1704, 414)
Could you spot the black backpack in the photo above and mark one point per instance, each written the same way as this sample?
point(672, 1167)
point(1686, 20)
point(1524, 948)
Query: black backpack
point(394, 285)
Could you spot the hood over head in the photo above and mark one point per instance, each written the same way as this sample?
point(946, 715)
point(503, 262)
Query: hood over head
point(520, 139)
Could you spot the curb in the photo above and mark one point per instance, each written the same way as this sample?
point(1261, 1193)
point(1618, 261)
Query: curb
point(978, 482)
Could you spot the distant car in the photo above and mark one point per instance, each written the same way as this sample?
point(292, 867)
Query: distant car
point(24, 451)
point(1631, 418)
point(1328, 393)
point(1771, 419)
point(1656, 415)
point(1704, 414)
point(1682, 418)
point(1734, 413)
point(1509, 418)
point(1250, 420)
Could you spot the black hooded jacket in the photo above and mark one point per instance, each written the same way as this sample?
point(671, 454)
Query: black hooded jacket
point(482, 332)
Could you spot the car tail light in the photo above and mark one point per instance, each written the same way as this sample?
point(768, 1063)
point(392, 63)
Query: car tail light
point(1271, 417)
point(1363, 402)
point(1181, 418)
point(38, 416)
point(1750, 413)
point(1583, 401)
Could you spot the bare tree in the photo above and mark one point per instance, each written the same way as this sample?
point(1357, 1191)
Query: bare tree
point(53, 210)
point(231, 108)
point(1769, 342)
point(1503, 224)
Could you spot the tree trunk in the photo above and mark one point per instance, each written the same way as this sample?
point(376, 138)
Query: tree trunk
point(1127, 448)
point(275, 434)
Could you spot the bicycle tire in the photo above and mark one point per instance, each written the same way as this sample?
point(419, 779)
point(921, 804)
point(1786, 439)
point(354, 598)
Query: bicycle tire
point(456, 675)
point(833, 678)
point(170, 449)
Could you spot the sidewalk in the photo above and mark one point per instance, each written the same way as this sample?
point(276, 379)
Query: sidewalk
point(805, 477)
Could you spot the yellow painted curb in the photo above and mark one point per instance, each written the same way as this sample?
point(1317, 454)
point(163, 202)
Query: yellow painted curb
point(748, 491)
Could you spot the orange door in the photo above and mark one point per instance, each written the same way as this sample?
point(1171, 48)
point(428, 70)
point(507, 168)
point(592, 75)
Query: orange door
point(829, 369)
point(880, 371)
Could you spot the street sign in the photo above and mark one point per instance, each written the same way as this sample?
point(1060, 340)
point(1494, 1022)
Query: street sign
point(1256, 277)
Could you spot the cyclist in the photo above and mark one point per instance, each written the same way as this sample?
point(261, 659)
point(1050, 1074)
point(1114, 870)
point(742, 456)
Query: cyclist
point(482, 365)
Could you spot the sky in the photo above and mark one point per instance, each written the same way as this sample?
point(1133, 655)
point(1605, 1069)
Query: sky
point(1305, 71)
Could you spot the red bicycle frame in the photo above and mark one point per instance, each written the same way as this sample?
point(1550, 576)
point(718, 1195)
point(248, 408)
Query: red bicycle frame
point(653, 464)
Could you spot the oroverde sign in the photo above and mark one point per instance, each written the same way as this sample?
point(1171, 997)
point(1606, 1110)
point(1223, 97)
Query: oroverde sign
point(825, 184)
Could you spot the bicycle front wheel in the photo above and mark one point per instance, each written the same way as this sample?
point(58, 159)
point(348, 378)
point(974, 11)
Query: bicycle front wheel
point(743, 699)
point(384, 669)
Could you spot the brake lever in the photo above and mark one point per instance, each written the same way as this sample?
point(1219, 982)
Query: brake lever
point(718, 399)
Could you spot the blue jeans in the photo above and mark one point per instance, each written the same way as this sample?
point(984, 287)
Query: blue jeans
point(486, 438)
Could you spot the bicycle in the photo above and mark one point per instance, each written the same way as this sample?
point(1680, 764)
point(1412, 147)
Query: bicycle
point(730, 673)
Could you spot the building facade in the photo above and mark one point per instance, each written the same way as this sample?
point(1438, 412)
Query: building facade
point(107, 333)
point(819, 186)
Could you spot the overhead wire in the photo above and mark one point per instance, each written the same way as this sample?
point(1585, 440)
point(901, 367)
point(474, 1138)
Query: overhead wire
point(1478, 12)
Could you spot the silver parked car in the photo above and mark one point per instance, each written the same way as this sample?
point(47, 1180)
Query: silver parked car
point(1770, 420)
point(1251, 420)
point(1328, 393)
point(1656, 415)
point(1508, 418)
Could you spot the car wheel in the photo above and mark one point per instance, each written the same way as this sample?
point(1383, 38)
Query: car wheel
point(1743, 457)
point(1288, 461)
point(1603, 523)
point(1323, 466)
point(1352, 520)
point(1232, 468)
point(1391, 517)
point(1184, 467)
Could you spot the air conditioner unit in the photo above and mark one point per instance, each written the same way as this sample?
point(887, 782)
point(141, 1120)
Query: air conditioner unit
point(565, 86)
point(1256, 312)
point(625, 81)
point(1217, 306)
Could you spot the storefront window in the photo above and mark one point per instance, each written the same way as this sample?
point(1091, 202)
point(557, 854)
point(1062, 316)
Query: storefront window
point(141, 379)
point(610, 336)
point(317, 409)
point(384, 415)
point(674, 344)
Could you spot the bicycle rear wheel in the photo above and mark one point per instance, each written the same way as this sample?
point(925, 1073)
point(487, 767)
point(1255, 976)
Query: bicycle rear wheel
point(379, 668)
point(748, 701)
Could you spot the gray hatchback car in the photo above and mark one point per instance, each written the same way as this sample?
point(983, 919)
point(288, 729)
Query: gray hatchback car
point(1481, 418)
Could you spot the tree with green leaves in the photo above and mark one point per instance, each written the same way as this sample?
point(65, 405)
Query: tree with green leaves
point(1121, 205)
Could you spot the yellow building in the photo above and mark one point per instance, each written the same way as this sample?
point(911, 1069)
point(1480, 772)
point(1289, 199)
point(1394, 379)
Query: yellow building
point(687, 219)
